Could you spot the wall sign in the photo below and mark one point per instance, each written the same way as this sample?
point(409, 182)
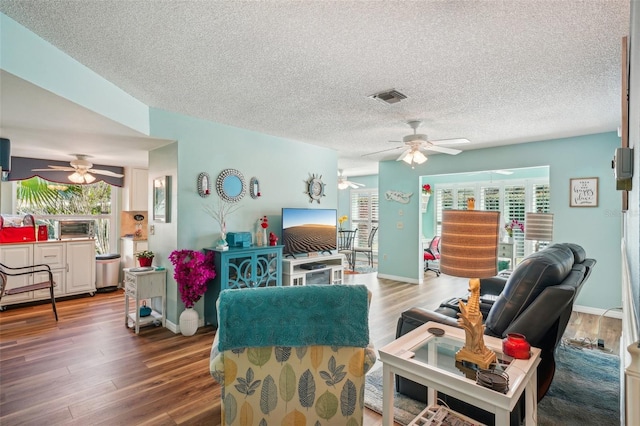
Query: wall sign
point(583, 192)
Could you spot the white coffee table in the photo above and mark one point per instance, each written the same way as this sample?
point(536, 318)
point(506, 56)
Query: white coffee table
point(429, 360)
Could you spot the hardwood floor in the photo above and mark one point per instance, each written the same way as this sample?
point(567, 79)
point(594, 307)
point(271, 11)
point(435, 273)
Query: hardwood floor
point(88, 369)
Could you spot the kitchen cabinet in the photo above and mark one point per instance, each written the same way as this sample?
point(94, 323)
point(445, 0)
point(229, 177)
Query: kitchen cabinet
point(72, 263)
point(242, 267)
point(136, 191)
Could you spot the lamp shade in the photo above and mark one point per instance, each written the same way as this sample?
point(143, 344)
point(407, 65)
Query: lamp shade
point(469, 243)
point(538, 226)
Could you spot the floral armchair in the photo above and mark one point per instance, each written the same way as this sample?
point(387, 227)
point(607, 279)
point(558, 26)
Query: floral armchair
point(293, 355)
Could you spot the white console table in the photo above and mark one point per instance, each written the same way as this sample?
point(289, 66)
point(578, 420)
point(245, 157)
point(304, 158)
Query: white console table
point(330, 272)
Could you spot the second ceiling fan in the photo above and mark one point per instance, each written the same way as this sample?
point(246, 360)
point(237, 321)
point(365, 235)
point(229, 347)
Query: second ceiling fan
point(415, 143)
point(81, 169)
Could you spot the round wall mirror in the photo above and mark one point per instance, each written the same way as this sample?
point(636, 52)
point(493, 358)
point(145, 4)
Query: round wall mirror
point(230, 185)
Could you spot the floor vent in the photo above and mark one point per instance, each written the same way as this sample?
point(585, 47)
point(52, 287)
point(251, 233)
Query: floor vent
point(389, 96)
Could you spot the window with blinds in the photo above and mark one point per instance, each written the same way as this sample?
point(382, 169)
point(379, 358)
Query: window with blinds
point(364, 215)
point(512, 198)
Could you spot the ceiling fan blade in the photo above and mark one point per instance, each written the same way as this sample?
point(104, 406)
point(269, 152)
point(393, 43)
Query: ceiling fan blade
point(384, 150)
point(105, 173)
point(55, 168)
point(442, 149)
point(503, 172)
point(354, 184)
point(405, 152)
point(460, 141)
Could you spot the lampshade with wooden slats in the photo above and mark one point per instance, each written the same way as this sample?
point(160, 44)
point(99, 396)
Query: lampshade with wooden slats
point(469, 243)
point(538, 226)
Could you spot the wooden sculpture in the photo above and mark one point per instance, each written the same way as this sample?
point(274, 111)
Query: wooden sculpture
point(470, 318)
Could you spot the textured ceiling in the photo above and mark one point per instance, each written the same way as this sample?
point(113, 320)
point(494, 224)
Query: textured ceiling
point(494, 72)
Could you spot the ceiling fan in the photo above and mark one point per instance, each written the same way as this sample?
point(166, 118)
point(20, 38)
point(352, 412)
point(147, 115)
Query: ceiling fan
point(343, 183)
point(415, 143)
point(82, 170)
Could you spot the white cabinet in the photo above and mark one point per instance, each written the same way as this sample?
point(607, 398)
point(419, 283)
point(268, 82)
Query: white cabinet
point(81, 267)
point(324, 269)
point(14, 256)
point(54, 255)
point(136, 191)
point(150, 285)
point(128, 248)
point(73, 265)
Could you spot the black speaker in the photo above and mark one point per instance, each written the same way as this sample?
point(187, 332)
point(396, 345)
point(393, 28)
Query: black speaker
point(5, 155)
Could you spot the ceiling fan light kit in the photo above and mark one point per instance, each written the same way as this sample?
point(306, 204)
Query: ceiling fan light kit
point(82, 170)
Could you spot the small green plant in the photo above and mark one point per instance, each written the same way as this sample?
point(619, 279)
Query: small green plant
point(145, 254)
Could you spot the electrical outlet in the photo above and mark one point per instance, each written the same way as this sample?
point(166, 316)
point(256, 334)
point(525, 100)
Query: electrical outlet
point(152, 230)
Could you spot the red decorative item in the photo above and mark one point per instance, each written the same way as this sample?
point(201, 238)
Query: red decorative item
point(265, 222)
point(273, 240)
point(145, 261)
point(516, 346)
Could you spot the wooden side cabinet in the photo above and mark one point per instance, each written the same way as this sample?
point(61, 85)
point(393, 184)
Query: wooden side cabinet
point(241, 267)
point(144, 285)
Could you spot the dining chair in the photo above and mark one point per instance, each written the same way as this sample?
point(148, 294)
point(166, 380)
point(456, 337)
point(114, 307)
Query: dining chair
point(368, 250)
point(345, 245)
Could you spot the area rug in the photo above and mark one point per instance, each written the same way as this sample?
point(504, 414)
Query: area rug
point(585, 391)
point(365, 269)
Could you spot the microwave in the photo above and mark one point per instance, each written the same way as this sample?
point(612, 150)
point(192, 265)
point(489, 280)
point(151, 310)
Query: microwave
point(76, 229)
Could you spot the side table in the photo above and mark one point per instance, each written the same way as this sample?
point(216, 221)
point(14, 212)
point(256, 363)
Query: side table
point(430, 360)
point(142, 284)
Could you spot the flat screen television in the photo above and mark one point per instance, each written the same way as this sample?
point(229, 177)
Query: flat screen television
point(309, 230)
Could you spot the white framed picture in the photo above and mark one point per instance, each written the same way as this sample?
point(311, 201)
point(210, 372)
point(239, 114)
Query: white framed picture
point(583, 192)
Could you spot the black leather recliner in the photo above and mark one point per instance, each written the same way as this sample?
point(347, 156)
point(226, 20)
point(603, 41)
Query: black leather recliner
point(536, 300)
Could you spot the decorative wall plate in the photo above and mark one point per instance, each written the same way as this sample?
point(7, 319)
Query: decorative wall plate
point(204, 185)
point(315, 188)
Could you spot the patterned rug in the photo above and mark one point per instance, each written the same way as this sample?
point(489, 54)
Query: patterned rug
point(361, 269)
point(585, 391)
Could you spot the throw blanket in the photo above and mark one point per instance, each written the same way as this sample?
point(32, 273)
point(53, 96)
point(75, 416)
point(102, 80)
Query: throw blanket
point(331, 315)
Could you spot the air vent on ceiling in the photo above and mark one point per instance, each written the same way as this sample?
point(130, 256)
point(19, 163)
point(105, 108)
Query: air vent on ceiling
point(389, 97)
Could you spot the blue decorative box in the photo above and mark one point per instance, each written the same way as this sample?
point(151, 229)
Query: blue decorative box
point(239, 239)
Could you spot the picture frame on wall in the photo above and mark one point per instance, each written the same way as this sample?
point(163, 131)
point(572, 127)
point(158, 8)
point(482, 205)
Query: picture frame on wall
point(161, 199)
point(583, 192)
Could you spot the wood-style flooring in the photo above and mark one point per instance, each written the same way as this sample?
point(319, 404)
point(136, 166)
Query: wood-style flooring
point(89, 369)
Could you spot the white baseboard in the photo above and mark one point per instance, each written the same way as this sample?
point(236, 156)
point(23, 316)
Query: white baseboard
point(397, 278)
point(613, 313)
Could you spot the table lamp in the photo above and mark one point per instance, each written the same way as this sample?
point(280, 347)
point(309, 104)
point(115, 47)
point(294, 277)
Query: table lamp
point(538, 227)
point(469, 248)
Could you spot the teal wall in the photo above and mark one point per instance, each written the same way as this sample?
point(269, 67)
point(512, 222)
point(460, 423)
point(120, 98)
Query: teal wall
point(281, 166)
point(597, 229)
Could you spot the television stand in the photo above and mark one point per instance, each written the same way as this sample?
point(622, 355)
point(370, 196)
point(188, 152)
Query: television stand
point(295, 272)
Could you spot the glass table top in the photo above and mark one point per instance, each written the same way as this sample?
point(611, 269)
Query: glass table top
point(440, 352)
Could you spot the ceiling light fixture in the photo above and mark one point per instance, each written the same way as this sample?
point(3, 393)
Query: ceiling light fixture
point(81, 178)
point(414, 157)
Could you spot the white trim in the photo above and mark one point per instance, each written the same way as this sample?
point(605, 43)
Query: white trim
point(613, 313)
point(401, 279)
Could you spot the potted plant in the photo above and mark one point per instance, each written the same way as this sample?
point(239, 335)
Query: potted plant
point(145, 257)
point(192, 270)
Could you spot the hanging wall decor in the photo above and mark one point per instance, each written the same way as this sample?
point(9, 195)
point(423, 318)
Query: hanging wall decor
point(254, 188)
point(204, 185)
point(398, 196)
point(315, 188)
point(230, 185)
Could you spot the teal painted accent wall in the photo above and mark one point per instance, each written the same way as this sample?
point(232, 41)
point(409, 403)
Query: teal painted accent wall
point(281, 166)
point(597, 229)
point(33, 59)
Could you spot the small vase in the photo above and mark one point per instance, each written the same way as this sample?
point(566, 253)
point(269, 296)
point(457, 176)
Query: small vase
point(145, 261)
point(516, 346)
point(189, 319)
